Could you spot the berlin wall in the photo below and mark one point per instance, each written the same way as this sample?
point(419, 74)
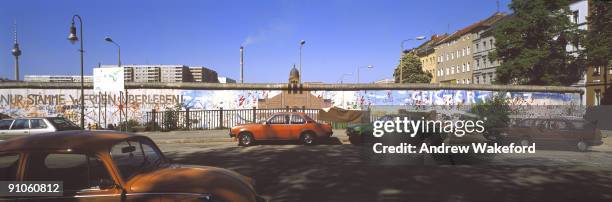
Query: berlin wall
point(25, 102)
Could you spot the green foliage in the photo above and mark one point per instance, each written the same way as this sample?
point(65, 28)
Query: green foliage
point(532, 44)
point(412, 70)
point(170, 119)
point(496, 110)
point(598, 43)
point(132, 125)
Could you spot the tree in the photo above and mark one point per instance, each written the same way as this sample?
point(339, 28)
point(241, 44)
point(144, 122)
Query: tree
point(496, 111)
point(533, 41)
point(598, 42)
point(412, 70)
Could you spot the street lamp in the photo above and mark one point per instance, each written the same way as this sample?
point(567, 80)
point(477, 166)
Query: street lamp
point(73, 39)
point(118, 48)
point(358, 68)
point(342, 81)
point(302, 42)
point(401, 69)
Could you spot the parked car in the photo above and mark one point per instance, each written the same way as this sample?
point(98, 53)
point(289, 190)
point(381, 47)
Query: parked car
point(115, 166)
point(577, 132)
point(282, 126)
point(30, 126)
point(363, 133)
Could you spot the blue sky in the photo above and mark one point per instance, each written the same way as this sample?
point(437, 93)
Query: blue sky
point(340, 34)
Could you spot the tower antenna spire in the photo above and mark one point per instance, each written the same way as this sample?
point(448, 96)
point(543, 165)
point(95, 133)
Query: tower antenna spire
point(16, 51)
point(497, 3)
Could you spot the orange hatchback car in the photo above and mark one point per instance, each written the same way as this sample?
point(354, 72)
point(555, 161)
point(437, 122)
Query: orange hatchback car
point(282, 126)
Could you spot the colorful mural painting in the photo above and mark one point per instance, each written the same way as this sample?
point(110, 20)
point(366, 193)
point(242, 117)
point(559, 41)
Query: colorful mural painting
point(59, 102)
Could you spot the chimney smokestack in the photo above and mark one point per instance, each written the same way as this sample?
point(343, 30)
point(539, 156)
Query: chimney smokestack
point(241, 64)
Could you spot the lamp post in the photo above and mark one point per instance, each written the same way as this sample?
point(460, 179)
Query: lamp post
point(73, 39)
point(118, 48)
point(358, 68)
point(401, 68)
point(302, 42)
point(341, 82)
point(110, 40)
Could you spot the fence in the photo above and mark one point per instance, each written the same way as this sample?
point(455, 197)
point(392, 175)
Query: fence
point(216, 118)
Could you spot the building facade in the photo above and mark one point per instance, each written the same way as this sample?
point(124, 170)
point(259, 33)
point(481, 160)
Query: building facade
point(455, 53)
point(483, 44)
point(427, 54)
point(203, 74)
point(56, 78)
point(167, 73)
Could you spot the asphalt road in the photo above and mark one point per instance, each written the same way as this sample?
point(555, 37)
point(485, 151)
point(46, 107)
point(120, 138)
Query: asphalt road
point(338, 171)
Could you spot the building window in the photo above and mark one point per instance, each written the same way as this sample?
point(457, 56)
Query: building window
point(477, 46)
point(477, 63)
point(491, 42)
point(463, 67)
point(463, 52)
point(597, 98)
point(575, 16)
point(468, 66)
point(484, 62)
point(468, 51)
point(596, 71)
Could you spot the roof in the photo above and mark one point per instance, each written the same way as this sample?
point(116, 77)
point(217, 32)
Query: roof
point(294, 73)
point(76, 139)
point(427, 47)
point(486, 22)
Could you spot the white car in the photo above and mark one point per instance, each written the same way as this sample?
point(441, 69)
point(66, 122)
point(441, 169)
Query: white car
point(27, 126)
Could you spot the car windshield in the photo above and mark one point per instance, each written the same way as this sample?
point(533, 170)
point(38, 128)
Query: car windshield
point(135, 156)
point(63, 124)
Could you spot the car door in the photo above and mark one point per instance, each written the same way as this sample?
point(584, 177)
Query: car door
point(20, 127)
point(38, 126)
point(84, 176)
point(5, 125)
point(297, 125)
point(278, 127)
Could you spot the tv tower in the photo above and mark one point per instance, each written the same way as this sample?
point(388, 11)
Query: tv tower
point(16, 52)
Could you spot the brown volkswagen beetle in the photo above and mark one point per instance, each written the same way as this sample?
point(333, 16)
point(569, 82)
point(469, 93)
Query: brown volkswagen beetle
point(115, 166)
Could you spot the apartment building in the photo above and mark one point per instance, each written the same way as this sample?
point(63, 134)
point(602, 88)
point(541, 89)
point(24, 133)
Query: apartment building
point(174, 74)
point(427, 54)
point(483, 44)
point(56, 78)
point(455, 53)
point(166, 73)
point(203, 74)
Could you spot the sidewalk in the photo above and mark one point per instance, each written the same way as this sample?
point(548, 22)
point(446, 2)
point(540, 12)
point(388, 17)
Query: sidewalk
point(199, 136)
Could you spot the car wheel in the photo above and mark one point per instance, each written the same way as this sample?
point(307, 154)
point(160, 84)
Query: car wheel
point(355, 139)
point(525, 141)
point(245, 139)
point(308, 138)
point(582, 146)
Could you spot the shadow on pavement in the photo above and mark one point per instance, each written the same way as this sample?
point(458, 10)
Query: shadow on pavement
point(341, 173)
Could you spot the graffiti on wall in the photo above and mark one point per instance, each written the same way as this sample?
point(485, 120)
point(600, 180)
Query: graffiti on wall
point(106, 108)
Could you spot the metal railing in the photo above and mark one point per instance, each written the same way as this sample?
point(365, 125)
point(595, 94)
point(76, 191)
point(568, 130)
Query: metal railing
point(213, 119)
